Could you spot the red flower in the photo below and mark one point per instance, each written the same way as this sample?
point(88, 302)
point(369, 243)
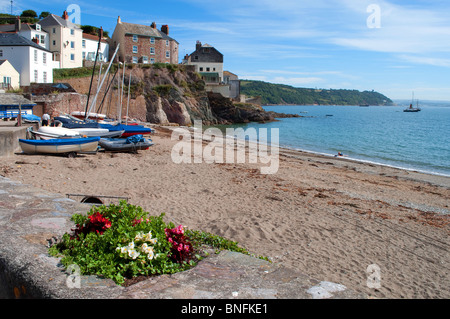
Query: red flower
point(181, 249)
point(96, 223)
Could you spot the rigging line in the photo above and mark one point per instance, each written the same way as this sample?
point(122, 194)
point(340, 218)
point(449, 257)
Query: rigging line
point(107, 89)
point(389, 242)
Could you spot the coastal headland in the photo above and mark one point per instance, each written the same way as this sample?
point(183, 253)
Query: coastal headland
point(331, 218)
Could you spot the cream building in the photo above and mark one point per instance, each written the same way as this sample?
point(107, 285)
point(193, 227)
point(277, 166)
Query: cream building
point(65, 41)
point(9, 77)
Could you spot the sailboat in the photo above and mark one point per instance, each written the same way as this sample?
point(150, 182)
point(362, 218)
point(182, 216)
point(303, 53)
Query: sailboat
point(411, 108)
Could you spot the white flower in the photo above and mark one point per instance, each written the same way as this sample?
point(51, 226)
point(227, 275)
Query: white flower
point(139, 236)
point(145, 248)
point(150, 254)
point(131, 245)
point(132, 253)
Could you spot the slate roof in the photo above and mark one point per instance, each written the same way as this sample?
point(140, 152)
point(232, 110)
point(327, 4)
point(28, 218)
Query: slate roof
point(13, 39)
point(12, 27)
point(144, 30)
point(53, 19)
point(11, 99)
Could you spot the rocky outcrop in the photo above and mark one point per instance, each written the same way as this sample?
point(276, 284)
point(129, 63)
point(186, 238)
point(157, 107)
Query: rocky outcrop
point(164, 94)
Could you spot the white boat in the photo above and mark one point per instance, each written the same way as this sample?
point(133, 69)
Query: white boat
point(51, 132)
point(102, 132)
point(60, 146)
point(93, 116)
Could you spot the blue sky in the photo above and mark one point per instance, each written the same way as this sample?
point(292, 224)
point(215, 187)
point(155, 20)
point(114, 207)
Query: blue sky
point(391, 46)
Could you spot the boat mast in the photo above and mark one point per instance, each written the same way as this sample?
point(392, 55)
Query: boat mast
point(100, 35)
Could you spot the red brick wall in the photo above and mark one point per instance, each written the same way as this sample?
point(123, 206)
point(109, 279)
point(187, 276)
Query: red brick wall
point(144, 46)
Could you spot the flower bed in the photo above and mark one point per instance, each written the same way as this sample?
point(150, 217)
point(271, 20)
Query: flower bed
point(123, 242)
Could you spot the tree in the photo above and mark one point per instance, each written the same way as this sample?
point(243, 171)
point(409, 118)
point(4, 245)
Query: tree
point(29, 14)
point(44, 14)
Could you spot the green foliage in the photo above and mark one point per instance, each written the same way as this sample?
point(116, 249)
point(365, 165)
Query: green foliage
point(89, 29)
point(44, 14)
point(123, 241)
point(162, 90)
point(59, 74)
point(100, 254)
point(285, 94)
point(29, 14)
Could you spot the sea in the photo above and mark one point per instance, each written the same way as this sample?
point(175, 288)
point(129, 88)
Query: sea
point(374, 134)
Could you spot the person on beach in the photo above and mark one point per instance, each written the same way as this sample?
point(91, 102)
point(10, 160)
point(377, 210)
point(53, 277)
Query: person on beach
point(45, 119)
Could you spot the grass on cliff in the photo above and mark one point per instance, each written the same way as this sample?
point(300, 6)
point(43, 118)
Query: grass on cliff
point(59, 74)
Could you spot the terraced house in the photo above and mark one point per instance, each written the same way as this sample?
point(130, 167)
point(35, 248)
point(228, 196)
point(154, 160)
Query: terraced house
point(144, 44)
point(65, 40)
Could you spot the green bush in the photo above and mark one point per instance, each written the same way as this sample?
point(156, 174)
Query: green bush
point(123, 241)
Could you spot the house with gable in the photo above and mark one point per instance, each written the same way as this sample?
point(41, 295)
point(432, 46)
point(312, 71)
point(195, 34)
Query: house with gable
point(208, 62)
point(90, 45)
point(33, 32)
point(144, 44)
point(65, 40)
point(9, 77)
point(32, 61)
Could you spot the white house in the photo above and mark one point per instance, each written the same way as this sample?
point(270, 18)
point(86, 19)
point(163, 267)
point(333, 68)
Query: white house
point(33, 62)
point(90, 45)
point(32, 32)
point(9, 77)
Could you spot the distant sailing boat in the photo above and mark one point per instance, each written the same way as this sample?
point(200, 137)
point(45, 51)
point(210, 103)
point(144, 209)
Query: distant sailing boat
point(411, 108)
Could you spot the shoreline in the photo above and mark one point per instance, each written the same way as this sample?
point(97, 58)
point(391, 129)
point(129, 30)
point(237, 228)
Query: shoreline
point(329, 218)
point(439, 179)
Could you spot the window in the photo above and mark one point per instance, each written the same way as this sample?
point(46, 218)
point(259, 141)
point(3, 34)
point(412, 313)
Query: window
point(208, 69)
point(167, 54)
point(35, 76)
point(145, 59)
point(72, 57)
point(38, 27)
point(201, 69)
point(84, 55)
point(152, 40)
point(72, 32)
point(54, 30)
point(135, 49)
point(44, 56)
point(135, 59)
point(45, 77)
point(167, 43)
point(152, 60)
point(135, 38)
point(72, 44)
point(35, 56)
point(42, 39)
point(1, 53)
point(152, 51)
point(84, 43)
point(54, 42)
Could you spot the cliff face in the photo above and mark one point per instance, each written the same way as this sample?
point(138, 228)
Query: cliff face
point(164, 94)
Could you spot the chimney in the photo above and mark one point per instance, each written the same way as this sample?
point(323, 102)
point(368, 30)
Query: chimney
point(119, 20)
point(198, 45)
point(35, 40)
point(100, 33)
point(153, 25)
point(65, 15)
point(165, 29)
point(18, 25)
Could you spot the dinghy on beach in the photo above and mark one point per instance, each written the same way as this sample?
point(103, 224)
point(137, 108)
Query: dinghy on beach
point(59, 146)
point(129, 144)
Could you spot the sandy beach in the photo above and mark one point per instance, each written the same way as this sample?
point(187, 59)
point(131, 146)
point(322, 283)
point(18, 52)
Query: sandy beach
point(330, 218)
